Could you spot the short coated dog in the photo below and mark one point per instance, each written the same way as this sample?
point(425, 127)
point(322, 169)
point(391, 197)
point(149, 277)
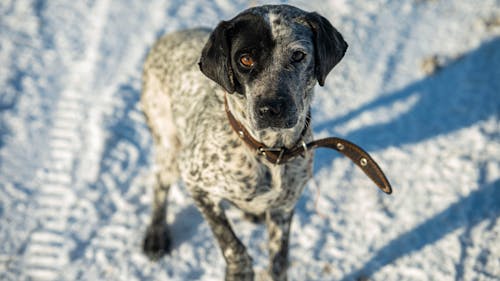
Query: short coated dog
point(260, 68)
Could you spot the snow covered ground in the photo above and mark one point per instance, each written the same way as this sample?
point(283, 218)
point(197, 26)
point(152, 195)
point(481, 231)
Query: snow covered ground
point(419, 88)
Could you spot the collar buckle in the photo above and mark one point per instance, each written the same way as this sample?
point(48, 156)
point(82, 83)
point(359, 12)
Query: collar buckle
point(262, 151)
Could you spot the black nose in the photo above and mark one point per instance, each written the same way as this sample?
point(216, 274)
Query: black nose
point(273, 108)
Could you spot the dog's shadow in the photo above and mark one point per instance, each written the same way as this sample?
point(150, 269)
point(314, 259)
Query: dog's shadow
point(185, 225)
point(458, 96)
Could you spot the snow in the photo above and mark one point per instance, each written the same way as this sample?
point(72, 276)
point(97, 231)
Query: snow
point(419, 88)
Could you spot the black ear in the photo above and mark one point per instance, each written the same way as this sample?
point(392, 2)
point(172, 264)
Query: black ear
point(329, 46)
point(215, 57)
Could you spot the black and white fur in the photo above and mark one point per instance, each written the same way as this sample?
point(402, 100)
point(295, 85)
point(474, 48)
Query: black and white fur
point(184, 107)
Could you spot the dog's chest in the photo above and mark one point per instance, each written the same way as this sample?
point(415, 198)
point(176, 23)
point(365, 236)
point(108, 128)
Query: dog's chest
point(232, 172)
point(279, 187)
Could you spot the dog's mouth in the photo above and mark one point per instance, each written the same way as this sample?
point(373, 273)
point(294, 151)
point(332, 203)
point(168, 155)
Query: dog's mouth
point(282, 133)
point(276, 124)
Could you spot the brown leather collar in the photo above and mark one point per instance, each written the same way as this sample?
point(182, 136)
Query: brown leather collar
point(282, 155)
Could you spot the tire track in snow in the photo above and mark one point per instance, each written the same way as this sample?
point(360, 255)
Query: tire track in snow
point(48, 251)
point(82, 156)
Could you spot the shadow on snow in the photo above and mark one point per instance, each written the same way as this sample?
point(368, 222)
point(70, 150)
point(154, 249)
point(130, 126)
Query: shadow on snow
point(458, 96)
point(461, 94)
point(480, 205)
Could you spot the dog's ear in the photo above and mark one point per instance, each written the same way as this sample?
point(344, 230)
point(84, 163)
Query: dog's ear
point(329, 45)
point(215, 61)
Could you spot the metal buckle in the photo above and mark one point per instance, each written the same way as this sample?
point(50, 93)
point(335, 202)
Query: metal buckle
point(281, 150)
point(304, 145)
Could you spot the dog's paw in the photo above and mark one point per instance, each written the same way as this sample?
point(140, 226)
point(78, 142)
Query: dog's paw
point(156, 242)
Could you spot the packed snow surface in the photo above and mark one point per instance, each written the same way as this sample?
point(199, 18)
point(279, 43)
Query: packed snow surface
point(419, 88)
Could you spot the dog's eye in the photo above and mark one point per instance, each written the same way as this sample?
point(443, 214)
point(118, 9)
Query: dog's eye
point(246, 61)
point(298, 56)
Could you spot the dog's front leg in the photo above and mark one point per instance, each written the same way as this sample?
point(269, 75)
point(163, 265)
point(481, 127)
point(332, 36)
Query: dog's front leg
point(278, 224)
point(239, 263)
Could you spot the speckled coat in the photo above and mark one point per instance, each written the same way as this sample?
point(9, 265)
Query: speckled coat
point(195, 143)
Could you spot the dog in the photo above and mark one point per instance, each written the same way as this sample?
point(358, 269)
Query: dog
point(258, 70)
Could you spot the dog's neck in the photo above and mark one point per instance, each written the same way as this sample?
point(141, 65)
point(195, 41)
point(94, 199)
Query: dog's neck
point(271, 138)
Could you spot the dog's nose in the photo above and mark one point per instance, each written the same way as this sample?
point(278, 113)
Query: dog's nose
point(275, 112)
point(271, 108)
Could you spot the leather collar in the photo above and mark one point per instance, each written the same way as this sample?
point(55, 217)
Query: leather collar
point(282, 155)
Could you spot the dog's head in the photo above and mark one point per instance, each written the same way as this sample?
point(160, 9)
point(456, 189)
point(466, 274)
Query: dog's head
point(272, 56)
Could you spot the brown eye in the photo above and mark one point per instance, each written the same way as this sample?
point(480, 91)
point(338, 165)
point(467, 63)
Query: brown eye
point(297, 56)
point(246, 60)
